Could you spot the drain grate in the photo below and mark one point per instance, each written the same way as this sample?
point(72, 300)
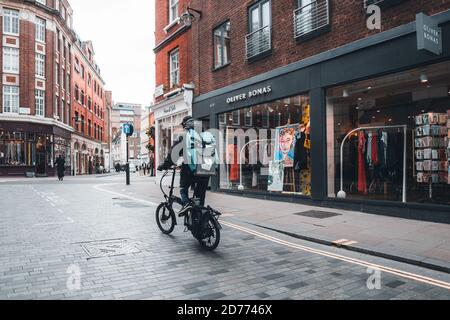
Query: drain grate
point(318, 214)
point(110, 248)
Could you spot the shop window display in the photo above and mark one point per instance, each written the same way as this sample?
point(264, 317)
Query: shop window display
point(393, 135)
point(266, 148)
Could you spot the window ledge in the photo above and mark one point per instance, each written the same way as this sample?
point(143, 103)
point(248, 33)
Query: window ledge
point(11, 34)
point(172, 93)
point(171, 24)
point(221, 67)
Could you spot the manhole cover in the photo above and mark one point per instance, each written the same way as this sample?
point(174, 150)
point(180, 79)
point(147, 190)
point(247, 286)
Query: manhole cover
point(110, 248)
point(318, 214)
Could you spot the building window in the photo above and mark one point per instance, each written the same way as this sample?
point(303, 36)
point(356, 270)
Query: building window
point(248, 117)
point(82, 124)
point(40, 29)
point(222, 45)
point(258, 40)
point(174, 68)
point(67, 82)
point(82, 72)
point(40, 102)
point(10, 99)
point(42, 2)
point(40, 65)
point(77, 93)
point(391, 147)
point(10, 60)
point(11, 21)
point(77, 121)
point(310, 16)
point(63, 109)
point(82, 98)
point(173, 10)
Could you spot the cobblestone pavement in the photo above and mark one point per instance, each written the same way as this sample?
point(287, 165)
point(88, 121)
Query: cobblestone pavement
point(49, 231)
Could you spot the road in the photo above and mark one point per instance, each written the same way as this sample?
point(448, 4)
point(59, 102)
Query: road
point(91, 238)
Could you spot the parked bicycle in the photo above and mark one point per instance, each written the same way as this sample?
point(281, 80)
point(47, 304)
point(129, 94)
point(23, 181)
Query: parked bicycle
point(202, 222)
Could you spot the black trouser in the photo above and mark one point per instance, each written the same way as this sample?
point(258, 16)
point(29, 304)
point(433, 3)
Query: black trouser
point(201, 185)
point(186, 181)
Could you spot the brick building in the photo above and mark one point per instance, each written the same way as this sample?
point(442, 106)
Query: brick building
point(38, 105)
point(108, 131)
point(328, 83)
point(174, 91)
point(89, 114)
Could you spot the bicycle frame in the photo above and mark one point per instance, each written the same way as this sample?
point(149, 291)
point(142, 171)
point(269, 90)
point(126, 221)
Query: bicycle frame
point(171, 199)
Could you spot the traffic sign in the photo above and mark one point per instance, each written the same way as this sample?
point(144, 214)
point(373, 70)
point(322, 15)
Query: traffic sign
point(128, 129)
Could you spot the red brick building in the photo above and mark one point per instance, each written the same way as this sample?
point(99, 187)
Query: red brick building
point(321, 76)
point(37, 98)
point(89, 103)
point(173, 94)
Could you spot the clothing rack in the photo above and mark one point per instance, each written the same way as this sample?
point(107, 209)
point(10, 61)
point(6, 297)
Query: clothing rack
point(342, 193)
point(241, 185)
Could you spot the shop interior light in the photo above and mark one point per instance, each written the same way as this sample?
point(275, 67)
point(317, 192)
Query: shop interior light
point(423, 78)
point(271, 110)
point(345, 93)
point(369, 88)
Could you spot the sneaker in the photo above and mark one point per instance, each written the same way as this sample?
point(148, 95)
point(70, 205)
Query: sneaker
point(185, 209)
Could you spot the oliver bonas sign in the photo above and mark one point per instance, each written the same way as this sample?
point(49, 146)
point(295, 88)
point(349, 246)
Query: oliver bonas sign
point(429, 35)
point(249, 95)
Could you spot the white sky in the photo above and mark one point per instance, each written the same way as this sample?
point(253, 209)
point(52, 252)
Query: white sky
point(122, 33)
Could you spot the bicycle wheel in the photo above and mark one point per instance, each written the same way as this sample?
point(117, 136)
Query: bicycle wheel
point(165, 219)
point(211, 242)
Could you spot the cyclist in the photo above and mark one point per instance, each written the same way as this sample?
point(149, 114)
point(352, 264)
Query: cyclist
point(187, 161)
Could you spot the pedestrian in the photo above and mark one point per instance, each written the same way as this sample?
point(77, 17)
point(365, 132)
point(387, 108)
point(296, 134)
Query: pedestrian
point(151, 166)
point(61, 167)
point(144, 167)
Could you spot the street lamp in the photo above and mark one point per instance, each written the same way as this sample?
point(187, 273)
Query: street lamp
point(188, 17)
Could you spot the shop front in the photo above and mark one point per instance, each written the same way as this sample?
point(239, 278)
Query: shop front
point(31, 149)
point(364, 127)
point(88, 155)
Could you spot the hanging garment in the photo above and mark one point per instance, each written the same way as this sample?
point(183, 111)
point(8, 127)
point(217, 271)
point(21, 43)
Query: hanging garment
point(232, 155)
point(369, 149)
point(394, 157)
point(382, 152)
point(300, 152)
point(255, 179)
point(375, 158)
point(362, 178)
